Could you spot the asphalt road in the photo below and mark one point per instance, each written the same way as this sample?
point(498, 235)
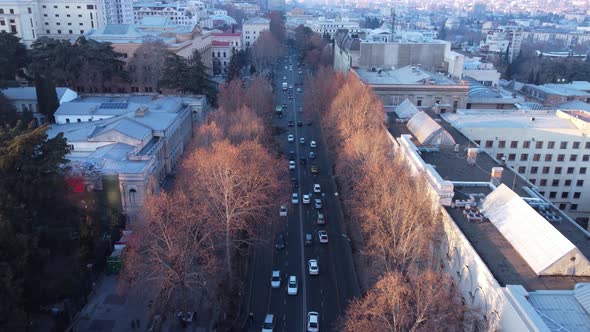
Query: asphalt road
point(329, 292)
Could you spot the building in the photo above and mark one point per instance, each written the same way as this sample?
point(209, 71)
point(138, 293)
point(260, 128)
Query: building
point(127, 38)
point(251, 9)
point(275, 5)
point(324, 26)
point(549, 148)
point(481, 71)
point(21, 18)
point(551, 95)
point(423, 88)
point(24, 99)
point(502, 40)
point(181, 13)
point(252, 28)
point(118, 11)
point(138, 139)
point(506, 246)
point(486, 97)
point(223, 46)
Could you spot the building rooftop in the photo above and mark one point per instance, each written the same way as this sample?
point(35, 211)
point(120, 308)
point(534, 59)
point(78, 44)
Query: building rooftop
point(509, 258)
point(406, 75)
point(28, 93)
point(257, 20)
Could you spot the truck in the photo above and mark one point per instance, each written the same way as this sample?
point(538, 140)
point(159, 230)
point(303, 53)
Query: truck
point(279, 111)
point(285, 86)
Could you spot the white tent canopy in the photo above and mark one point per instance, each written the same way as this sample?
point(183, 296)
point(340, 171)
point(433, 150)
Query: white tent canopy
point(427, 131)
point(406, 109)
point(540, 244)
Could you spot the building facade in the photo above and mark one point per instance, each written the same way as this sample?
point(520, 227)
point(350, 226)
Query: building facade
point(118, 11)
point(181, 13)
point(223, 46)
point(20, 18)
point(24, 99)
point(252, 28)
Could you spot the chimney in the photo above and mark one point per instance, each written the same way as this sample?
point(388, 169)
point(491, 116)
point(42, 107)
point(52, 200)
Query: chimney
point(140, 111)
point(496, 175)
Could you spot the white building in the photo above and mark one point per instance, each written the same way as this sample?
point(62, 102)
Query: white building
point(24, 99)
point(69, 19)
point(118, 11)
point(507, 247)
point(181, 13)
point(139, 139)
point(252, 28)
point(481, 71)
point(549, 148)
point(223, 45)
point(324, 26)
point(508, 38)
point(20, 17)
point(248, 8)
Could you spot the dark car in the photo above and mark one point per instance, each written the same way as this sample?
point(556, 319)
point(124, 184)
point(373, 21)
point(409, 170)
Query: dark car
point(295, 183)
point(309, 123)
point(303, 160)
point(291, 155)
point(290, 124)
point(280, 241)
point(299, 123)
point(284, 106)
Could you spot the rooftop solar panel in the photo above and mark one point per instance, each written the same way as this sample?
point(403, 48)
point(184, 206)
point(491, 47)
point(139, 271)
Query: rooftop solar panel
point(114, 106)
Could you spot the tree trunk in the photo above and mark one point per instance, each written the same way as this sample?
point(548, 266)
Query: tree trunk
point(228, 253)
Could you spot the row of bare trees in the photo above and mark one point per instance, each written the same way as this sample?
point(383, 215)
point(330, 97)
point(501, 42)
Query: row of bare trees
point(192, 240)
point(389, 213)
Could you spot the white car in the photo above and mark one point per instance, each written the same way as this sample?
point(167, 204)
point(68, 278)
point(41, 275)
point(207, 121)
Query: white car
point(313, 144)
point(292, 285)
point(306, 198)
point(314, 269)
point(285, 77)
point(321, 219)
point(317, 203)
point(295, 198)
point(302, 140)
point(323, 235)
point(291, 164)
point(316, 188)
point(300, 109)
point(283, 211)
point(298, 89)
point(275, 279)
point(313, 321)
point(291, 138)
point(269, 323)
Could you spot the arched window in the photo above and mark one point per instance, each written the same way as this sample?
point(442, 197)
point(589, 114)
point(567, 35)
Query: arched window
point(224, 54)
point(132, 196)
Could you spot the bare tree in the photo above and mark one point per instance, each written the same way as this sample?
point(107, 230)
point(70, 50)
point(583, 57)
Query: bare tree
point(259, 97)
point(421, 302)
point(147, 63)
point(231, 96)
point(171, 252)
point(239, 185)
point(266, 50)
point(243, 125)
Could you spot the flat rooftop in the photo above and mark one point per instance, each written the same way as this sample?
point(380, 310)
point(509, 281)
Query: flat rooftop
point(405, 75)
point(503, 260)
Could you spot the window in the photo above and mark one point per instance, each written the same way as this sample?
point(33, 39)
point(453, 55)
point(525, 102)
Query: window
point(80, 15)
point(132, 196)
point(573, 207)
point(489, 144)
point(577, 194)
point(542, 193)
point(524, 157)
point(545, 170)
point(539, 145)
point(522, 170)
point(582, 170)
point(576, 145)
point(548, 157)
point(586, 157)
point(55, 7)
point(47, 31)
point(89, 6)
point(557, 170)
point(46, 23)
point(512, 156)
point(44, 15)
point(29, 10)
point(67, 120)
point(57, 23)
point(12, 11)
point(533, 181)
point(550, 145)
point(587, 145)
point(526, 144)
point(499, 156)
point(56, 15)
point(579, 183)
point(567, 183)
point(81, 24)
point(79, 120)
point(68, 15)
point(570, 170)
point(81, 31)
point(513, 144)
point(552, 194)
point(562, 206)
point(565, 194)
point(543, 182)
point(560, 157)
point(502, 144)
point(573, 157)
point(59, 32)
point(536, 157)
point(534, 170)
point(419, 102)
point(69, 23)
point(70, 32)
point(555, 183)
point(563, 145)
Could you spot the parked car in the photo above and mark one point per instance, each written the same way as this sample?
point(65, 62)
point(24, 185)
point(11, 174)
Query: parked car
point(302, 140)
point(313, 321)
point(303, 160)
point(299, 123)
point(311, 155)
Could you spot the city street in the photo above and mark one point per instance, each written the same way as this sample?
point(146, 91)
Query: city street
point(329, 292)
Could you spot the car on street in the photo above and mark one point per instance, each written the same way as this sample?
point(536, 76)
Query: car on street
point(302, 160)
point(290, 138)
point(291, 155)
point(313, 267)
point(292, 285)
point(291, 164)
point(290, 96)
point(306, 198)
point(290, 124)
point(291, 86)
point(295, 198)
point(285, 107)
point(308, 239)
point(300, 72)
point(313, 144)
point(317, 188)
point(302, 140)
point(313, 321)
point(321, 219)
point(298, 89)
point(314, 170)
point(299, 123)
point(295, 183)
point(317, 203)
point(275, 279)
point(269, 323)
point(283, 211)
point(285, 77)
point(309, 123)
point(300, 109)
point(323, 236)
point(311, 155)
point(280, 241)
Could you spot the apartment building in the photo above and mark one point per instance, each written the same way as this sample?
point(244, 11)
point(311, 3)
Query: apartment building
point(118, 11)
point(69, 19)
point(20, 17)
point(252, 28)
point(508, 38)
point(549, 148)
point(223, 45)
point(181, 12)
